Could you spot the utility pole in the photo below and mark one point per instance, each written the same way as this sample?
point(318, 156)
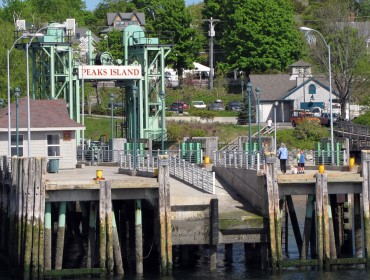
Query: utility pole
point(211, 34)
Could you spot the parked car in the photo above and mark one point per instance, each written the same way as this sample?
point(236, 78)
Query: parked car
point(199, 105)
point(184, 105)
point(176, 107)
point(234, 106)
point(325, 118)
point(217, 106)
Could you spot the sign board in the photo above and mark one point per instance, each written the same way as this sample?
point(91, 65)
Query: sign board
point(109, 72)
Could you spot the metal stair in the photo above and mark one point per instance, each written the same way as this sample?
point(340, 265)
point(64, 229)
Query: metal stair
point(264, 131)
point(233, 146)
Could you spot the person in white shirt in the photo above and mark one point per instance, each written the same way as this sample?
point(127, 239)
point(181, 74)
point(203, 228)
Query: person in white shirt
point(269, 123)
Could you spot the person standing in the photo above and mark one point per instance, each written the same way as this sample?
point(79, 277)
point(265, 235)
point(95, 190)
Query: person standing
point(283, 156)
point(301, 162)
point(269, 123)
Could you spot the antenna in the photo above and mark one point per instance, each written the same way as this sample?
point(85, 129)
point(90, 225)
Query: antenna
point(71, 26)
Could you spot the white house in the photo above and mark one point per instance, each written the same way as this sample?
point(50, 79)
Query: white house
point(297, 90)
point(53, 133)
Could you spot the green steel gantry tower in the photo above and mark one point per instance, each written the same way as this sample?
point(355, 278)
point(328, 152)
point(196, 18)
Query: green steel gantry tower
point(55, 75)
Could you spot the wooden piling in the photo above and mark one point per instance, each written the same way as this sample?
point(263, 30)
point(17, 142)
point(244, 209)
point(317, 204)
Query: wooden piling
point(294, 221)
point(333, 249)
point(30, 216)
point(271, 205)
point(102, 226)
point(229, 253)
point(59, 248)
point(36, 184)
point(108, 211)
point(138, 237)
point(365, 155)
point(277, 214)
point(326, 224)
point(92, 236)
point(48, 234)
point(307, 227)
point(116, 248)
point(214, 233)
point(164, 215)
point(42, 218)
point(357, 225)
point(12, 239)
point(21, 208)
point(319, 221)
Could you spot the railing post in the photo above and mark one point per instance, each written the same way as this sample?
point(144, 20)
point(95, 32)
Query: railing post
point(235, 159)
point(323, 156)
point(258, 161)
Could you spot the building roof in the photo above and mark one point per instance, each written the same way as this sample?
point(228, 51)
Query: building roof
point(80, 33)
point(45, 115)
point(126, 17)
point(273, 86)
point(300, 63)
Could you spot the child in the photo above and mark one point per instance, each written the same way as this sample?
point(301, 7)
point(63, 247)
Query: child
point(301, 162)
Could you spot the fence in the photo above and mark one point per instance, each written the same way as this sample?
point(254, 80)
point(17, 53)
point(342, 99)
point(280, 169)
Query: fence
point(236, 159)
point(180, 165)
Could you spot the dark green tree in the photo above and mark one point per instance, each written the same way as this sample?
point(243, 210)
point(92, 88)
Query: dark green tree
point(170, 20)
point(258, 36)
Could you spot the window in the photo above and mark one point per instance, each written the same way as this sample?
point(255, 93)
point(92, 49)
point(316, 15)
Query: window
point(14, 145)
point(53, 145)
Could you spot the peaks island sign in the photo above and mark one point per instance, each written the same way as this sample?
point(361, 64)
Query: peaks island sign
point(109, 72)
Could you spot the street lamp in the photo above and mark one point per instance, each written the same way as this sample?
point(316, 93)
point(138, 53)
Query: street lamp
point(249, 91)
point(259, 118)
point(307, 30)
point(9, 99)
point(16, 95)
point(134, 95)
point(162, 97)
point(111, 109)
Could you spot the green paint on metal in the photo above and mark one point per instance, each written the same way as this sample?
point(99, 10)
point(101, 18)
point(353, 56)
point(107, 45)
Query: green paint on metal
point(47, 215)
point(62, 214)
point(138, 214)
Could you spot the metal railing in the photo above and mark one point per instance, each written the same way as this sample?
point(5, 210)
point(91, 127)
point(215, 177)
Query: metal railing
point(180, 164)
point(236, 159)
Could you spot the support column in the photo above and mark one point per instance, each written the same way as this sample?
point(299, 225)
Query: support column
point(274, 238)
point(165, 215)
point(92, 236)
point(138, 237)
point(60, 236)
point(307, 227)
point(48, 244)
point(325, 209)
point(319, 210)
point(365, 157)
point(214, 233)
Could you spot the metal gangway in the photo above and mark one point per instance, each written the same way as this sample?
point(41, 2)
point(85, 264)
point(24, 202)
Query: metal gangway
point(358, 135)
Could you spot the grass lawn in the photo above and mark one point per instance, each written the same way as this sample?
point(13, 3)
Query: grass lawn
point(226, 133)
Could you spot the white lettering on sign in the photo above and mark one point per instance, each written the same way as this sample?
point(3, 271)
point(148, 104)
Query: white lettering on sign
point(109, 72)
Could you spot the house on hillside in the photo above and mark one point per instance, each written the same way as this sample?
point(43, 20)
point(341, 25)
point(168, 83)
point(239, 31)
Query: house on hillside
point(121, 20)
point(298, 90)
point(53, 133)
